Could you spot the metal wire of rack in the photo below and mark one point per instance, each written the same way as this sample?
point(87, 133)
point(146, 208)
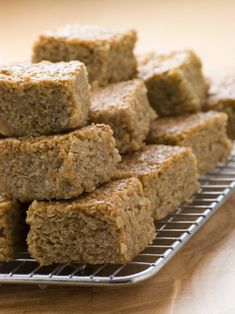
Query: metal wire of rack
point(171, 234)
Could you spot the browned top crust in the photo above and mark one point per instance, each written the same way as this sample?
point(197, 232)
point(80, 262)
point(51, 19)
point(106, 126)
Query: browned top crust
point(222, 91)
point(177, 128)
point(150, 158)
point(52, 140)
point(115, 96)
point(104, 199)
point(87, 33)
point(43, 71)
point(153, 64)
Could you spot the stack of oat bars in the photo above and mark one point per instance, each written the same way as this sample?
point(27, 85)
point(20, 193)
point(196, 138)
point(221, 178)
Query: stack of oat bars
point(98, 144)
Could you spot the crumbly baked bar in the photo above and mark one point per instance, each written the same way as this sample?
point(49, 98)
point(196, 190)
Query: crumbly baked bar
point(174, 81)
point(168, 175)
point(205, 133)
point(57, 166)
point(106, 52)
point(12, 225)
point(111, 224)
point(43, 98)
point(222, 98)
point(125, 107)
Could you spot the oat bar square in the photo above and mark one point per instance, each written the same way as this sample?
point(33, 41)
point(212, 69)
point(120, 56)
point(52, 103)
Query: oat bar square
point(107, 52)
point(174, 81)
point(57, 166)
point(205, 133)
point(43, 98)
point(222, 98)
point(110, 225)
point(125, 107)
point(168, 174)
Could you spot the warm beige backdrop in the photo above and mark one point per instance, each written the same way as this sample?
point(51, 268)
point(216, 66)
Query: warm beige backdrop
point(201, 278)
point(207, 26)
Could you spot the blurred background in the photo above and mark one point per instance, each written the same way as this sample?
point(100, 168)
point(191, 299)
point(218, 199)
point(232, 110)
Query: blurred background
point(207, 26)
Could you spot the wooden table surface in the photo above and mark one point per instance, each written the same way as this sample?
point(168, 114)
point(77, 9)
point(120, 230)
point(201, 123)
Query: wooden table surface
point(201, 278)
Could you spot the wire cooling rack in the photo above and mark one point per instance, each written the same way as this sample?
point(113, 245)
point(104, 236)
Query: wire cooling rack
point(171, 234)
